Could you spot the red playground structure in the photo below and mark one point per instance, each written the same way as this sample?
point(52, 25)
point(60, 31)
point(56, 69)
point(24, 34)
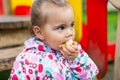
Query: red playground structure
point(94, 39)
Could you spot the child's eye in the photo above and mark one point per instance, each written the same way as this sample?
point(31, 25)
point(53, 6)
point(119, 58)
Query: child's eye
point(72, 25)
point(60, 28)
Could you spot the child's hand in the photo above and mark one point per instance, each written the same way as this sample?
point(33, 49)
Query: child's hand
point(70, 50)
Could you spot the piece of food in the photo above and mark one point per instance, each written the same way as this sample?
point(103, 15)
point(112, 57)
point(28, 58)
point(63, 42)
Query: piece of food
point(69, 42)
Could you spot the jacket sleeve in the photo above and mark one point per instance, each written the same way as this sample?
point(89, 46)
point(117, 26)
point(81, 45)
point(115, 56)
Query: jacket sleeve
point(83, 67)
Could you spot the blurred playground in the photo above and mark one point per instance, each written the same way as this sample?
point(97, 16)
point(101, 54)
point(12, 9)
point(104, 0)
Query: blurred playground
point(108, 27)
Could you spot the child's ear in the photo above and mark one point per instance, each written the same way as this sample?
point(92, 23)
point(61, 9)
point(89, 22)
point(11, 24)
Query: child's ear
point(38, 32)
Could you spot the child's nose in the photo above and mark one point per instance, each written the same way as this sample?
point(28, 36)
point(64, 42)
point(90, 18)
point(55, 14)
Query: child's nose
point(69, 33)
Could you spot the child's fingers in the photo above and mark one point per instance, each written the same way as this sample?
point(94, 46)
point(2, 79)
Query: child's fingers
point(66, 51)
point(72, 48)
point(65, 55)
point(69, 57)
point(75, 43)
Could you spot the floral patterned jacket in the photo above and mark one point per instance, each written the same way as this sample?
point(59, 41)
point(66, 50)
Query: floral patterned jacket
point(38, 61)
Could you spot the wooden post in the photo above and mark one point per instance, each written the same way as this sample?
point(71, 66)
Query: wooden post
point(116, 3)
point(117, 55)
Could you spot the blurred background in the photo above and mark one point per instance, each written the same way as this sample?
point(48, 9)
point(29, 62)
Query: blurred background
point(15, 23)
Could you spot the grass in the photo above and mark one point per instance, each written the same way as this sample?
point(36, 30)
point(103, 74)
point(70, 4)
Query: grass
point(112, 25)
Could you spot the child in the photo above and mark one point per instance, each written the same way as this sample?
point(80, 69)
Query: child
point(48, 55)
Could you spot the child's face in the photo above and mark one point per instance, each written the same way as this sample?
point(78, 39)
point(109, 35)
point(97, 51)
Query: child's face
point(59, 27)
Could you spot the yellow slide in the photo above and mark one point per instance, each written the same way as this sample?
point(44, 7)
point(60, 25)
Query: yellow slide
point(77, 6)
